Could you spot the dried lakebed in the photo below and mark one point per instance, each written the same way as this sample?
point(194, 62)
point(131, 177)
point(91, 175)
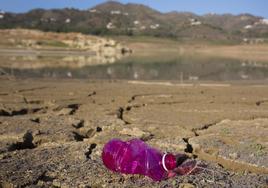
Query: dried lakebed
point(52, 131)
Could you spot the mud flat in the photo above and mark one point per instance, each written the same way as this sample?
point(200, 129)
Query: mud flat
point(52, 131)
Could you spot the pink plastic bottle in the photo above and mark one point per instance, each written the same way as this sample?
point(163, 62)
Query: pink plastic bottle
point(136, 157)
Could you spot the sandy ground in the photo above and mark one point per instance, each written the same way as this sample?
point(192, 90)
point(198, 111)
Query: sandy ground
point(145, 46)
point(246, 52)
point(53, 131)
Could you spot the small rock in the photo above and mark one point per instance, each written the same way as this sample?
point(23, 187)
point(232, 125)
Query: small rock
point(40, 183)
point(36, 120)
point(174, 183)
point(64, 111)
point(86, 132)
point(6, 185)
point(136, 132)
point(186, 185)
point(64, 185)
point(78, 124)
point(56, 183)
point(233, 155)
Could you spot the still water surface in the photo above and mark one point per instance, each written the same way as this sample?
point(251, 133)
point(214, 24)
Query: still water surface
point(183, 68)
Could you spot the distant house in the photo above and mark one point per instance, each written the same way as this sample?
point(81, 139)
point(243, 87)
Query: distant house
point(192, 20)
point(193, 78)
point(248, 26)
point(264, 21)
point(154, 26)
point(2, 14)
point(68, 20)
point(195, 21)
point(254, 40)
point(110, 26)
point(93, 10)
point(115, 12)
point(245, 40)
point(136, 22)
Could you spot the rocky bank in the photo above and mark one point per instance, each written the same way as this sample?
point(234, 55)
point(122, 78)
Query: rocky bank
point(19, 44)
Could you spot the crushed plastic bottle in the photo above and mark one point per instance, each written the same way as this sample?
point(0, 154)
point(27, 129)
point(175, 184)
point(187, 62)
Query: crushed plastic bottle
point(136, 157)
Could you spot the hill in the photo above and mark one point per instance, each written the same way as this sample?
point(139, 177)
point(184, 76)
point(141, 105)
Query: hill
point(113, 18)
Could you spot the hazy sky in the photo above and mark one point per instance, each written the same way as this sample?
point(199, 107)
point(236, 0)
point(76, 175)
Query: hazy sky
point(256, 7)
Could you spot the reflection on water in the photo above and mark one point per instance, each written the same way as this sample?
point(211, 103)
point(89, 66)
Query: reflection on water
point(181, 68)
point(39, 62)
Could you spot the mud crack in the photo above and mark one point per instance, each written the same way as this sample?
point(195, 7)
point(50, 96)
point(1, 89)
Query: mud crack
point(189, 147)
point(90, 149)
point(133, 98)
point(120, 115)
point(74, 108)
point(23, 111)
point(31, 89)
point(204, 127)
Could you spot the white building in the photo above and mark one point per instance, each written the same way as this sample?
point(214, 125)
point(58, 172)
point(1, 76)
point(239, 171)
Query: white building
point(195, 21)
point(248, 26)
point(245, 40)
point(192, 20)
point(115, 12)
point(264, 21)
point(193, 78)
point(155, 26)
point(136, 22)
point(68, 20)
point(92, 10)
point(110, 26)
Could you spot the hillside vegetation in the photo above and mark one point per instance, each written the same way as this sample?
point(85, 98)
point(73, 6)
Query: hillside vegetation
point(113, 18)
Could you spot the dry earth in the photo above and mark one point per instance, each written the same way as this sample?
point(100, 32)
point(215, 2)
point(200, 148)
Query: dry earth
point(152, 46)
point(52, 131)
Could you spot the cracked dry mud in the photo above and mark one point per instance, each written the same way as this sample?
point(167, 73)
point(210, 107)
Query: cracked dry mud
point(52, 132)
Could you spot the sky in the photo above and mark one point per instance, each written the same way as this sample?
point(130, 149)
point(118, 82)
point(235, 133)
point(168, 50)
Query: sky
point(255, 7)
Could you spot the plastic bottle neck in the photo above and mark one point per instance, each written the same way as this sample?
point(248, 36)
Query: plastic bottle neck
point(168, 161)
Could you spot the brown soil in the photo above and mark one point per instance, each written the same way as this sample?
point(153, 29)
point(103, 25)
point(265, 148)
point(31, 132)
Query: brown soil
point(52, 131)
point(147, 46)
